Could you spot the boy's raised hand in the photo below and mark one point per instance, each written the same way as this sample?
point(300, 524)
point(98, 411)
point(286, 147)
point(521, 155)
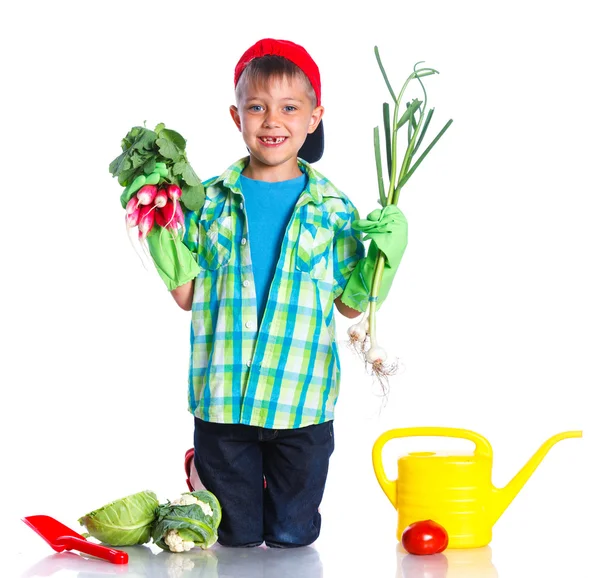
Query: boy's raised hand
point(387, 229)
point(174, 262)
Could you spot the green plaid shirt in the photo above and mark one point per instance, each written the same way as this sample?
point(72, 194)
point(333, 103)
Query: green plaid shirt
point(285, 373)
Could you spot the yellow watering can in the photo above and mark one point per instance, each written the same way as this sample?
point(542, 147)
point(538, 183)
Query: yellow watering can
point(455, 490)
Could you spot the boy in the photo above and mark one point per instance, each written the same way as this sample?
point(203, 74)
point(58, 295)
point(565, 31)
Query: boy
point(261, 266)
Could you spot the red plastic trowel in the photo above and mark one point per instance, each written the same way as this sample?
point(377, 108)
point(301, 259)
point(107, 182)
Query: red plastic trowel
point(61, 538)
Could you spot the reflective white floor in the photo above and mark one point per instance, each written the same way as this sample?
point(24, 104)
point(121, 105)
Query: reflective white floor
point(310, 562)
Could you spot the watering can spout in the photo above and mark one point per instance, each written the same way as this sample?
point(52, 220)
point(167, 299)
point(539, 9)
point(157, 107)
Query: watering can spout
point(502, 497)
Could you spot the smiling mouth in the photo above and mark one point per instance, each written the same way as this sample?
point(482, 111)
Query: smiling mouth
point(272, 140)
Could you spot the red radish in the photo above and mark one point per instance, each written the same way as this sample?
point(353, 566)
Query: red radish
point(146, 221)
point(165, 217)
point(161, 198)
point(179, 218)
point(147, 194)
point(132, 219)
point(174, 192)
point(132, 206)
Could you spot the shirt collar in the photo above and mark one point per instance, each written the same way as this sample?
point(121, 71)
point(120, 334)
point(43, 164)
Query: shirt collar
point(317, 188)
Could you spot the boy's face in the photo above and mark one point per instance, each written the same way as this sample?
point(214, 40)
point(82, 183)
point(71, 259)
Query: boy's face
point(274, 120)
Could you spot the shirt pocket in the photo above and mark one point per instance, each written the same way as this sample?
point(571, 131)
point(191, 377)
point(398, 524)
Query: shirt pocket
point(314, 248)
point(215, 242)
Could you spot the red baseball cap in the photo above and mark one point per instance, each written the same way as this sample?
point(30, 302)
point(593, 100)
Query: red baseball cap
point(312, 149)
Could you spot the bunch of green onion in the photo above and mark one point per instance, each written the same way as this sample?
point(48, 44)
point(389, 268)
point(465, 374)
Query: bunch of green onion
point(416, 117)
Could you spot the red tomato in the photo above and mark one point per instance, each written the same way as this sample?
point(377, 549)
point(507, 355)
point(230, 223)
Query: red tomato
point(425, 537)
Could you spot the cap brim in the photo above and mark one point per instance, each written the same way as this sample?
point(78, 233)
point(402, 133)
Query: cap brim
point(312, 149)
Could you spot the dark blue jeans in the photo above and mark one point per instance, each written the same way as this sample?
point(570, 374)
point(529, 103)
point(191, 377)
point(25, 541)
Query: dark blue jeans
point(232, 459)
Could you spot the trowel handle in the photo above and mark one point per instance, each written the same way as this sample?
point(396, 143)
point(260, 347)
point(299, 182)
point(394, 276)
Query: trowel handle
point(110, 554)
point(482, 448)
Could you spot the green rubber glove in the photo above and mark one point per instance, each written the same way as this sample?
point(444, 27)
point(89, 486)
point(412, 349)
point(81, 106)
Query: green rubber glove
point(174, 262)
point(387, 230)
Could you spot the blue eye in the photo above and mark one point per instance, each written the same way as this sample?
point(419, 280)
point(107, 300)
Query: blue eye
point(255, 108)
point(290, 108)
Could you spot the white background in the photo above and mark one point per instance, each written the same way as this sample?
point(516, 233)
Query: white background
point(494, 312)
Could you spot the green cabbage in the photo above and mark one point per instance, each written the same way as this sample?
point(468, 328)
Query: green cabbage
point(124, 522)
point(192, 522)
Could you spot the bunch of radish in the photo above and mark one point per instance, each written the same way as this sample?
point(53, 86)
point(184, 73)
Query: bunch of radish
point(154, 204)
point(159, 183)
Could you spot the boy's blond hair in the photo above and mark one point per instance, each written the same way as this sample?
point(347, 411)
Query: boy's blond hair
point(261, 71)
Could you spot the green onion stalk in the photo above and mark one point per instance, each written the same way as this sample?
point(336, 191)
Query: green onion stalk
point(417, 118)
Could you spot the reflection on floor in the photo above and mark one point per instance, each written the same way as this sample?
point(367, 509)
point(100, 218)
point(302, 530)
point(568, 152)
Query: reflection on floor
point(455, 563)
point(217, 562)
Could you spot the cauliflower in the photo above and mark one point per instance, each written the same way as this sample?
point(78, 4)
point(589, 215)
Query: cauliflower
point(176, 544)
point(189, 521)
point(187, 499)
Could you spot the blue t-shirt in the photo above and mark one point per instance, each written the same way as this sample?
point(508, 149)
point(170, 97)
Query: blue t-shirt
point(269, 207)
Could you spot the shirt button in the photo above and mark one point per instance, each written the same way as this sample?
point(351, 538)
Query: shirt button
point(249, 324)
point(246, 283)
point(249, 363)
point(241, 205)
point(244, 241)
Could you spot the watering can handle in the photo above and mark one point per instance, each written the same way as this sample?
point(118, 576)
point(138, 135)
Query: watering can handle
point(482, 448)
